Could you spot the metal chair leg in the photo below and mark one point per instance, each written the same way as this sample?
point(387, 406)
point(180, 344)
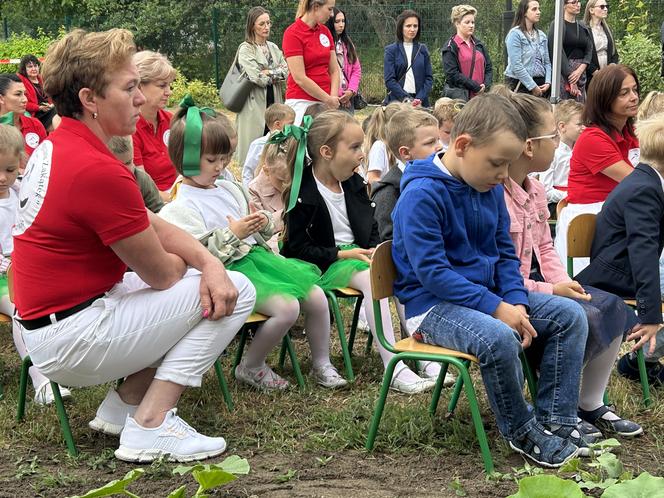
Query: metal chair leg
point(240, 347)
point(353, 326)
point(334, 304)
point(380, 402)
point(643, 375)
point(457, 390)
point(477, 420)
point(64, 420)
point(438, 388)
point(23, 387)
point(223, 385)
point(288, 344)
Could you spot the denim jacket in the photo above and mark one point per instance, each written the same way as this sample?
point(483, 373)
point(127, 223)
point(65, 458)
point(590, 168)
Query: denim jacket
point(521, 56)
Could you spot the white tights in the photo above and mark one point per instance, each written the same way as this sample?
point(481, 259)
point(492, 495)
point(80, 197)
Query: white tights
point(595, 377)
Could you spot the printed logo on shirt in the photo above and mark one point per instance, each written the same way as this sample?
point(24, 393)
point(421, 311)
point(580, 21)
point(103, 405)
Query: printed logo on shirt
point(167, 135)
point(33, 187)
point(634, 156)
point(324, 40)
point(32, 140)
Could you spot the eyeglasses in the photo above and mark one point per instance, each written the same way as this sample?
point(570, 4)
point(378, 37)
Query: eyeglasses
point(552, 136)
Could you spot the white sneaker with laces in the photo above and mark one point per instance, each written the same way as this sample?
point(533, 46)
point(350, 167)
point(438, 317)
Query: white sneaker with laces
point(328, 376)
point(44, 393)
point(112, 414)
point(174, 439)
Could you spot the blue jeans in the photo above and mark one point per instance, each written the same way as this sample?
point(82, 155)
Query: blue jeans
point(562, 331)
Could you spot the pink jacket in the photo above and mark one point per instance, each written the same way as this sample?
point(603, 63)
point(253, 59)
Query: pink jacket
point(352, 71)
point(530, 232)
point(263, 196)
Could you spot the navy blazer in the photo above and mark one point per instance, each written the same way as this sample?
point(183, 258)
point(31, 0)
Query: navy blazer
point(629, 238)
point(395, 64)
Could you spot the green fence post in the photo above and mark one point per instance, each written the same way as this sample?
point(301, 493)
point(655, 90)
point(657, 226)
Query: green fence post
point(6, 28)
point(215, 42)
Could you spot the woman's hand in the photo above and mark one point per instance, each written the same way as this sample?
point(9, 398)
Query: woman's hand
point(44, 107)
point(545, 87)
point(332, 102)
point(537, 91)
point(571, 289)
point(482, 88)
point(356, 253)
point(217, 291)
point(576, 74)
point(645, 332)
point(416, 102)
point(345, 98)
point(246, 226)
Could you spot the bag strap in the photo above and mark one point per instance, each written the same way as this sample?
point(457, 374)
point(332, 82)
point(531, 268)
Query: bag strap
point(419, 47)
point(472, 61)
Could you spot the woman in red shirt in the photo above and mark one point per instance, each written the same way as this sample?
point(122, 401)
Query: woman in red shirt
point(605, 151)
point(312, 63)
point(153, 127)
point(13, 102)
point(39, 105)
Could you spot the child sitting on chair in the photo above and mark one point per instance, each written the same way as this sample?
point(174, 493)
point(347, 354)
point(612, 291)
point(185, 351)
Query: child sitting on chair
point(458, 276)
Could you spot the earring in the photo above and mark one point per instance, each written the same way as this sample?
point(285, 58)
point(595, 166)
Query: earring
point(94, 115)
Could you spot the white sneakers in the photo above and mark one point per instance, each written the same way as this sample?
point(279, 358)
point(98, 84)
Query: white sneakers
point(410, 386)
point(112, 414)
point(431, 370)
point(174, 439)
point(327, 376)
point(44, 393)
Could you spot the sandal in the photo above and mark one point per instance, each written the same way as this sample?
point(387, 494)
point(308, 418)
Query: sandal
point(544, 448)
point(262, 378)
point(413, 387)
point(619, 426)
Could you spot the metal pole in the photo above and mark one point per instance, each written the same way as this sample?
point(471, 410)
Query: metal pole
point(215, 42)
point(557, 56)
point(6, 27)
point(508, 18)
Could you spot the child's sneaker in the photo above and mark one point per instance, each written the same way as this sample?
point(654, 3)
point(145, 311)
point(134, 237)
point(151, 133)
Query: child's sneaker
point(588, 429)
point(577, 438)
point(112, 414)
point(263, 378)
point(544, 448)
point(44, 393)
point(610, 423)
point(413, 385)
point(174, 439)
point(327, 376)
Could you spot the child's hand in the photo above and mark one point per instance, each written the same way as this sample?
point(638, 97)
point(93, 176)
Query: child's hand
point(246, 226)
point(571, 289)
point(516, 318)
point(357, 253)
point(645, 332)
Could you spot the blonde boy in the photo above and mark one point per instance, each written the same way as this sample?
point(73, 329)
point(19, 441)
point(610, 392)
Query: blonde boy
point(277, 116)
point(445, 110)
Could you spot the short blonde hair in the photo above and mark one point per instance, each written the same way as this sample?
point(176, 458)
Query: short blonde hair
point(153, 66)
point(401, 128)
point(446, 109)
point(650, 133)
point(500, 89)
point(11, 141)
point(652, 104)
point(564, 111)
point(460, 11)
point(278, 112)
point(121, 146)
point(82, 59)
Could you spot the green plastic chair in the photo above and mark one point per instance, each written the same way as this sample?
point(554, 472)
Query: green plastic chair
point(346, 346)
point(580, 235)
point(382, 277)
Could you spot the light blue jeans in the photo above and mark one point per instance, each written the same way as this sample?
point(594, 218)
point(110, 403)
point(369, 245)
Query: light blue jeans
point(562, 331)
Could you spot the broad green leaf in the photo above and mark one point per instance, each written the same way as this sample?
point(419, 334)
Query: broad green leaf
point(234, 465)
point(183, 469)
point(209, 479)
point(644, 486)
point(114, 487)
point(611, 465)
point(606, 443)
point(546, 486)
point(573, 465)
point(179, 493)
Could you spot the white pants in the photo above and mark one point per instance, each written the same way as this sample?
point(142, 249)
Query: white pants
point(300, 106)
point(135, 327)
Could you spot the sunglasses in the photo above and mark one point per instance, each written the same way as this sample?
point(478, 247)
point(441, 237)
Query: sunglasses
point(603, 7)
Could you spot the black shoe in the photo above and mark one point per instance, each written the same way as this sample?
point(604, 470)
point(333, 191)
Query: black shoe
point(576, 437)
point(620, 426)
point(628, 367)
point(589, 430)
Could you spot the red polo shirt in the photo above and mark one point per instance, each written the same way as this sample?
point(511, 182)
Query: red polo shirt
point(33, 132)
point(76, 199)
point(314, 45)
point(593, 152)
point(151, 150)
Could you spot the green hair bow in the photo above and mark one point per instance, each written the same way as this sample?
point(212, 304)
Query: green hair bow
point(8, 118)
point(193, 134)
point(299, 133)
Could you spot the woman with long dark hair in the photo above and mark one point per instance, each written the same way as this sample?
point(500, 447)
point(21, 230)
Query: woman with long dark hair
point(39, 105)
point(528, 66)
point(349, 62)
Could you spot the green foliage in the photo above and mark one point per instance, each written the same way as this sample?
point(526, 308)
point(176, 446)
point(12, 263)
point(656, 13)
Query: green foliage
point(117, 486)
point(203, 93)
point(644, 486)
point(212, 475)
point(634, 16)
point(19, 45)
point(546, 486)
point(642, 54)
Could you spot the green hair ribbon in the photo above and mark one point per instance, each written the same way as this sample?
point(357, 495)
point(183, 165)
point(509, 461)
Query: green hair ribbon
point(299, 133)
point(8, 118)
point(193, 135)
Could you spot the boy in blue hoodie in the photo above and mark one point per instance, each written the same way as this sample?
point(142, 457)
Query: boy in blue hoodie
point(458, 277)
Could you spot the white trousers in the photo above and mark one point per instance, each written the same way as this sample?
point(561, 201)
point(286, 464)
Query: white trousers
point(135, 327)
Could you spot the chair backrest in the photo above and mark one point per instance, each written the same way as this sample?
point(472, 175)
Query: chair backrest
point(562, 203)
point(580, 235)
point(382, 271)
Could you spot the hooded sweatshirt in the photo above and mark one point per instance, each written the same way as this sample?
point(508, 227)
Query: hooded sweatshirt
point(452, 243)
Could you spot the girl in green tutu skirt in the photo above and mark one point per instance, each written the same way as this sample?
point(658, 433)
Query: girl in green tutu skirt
point(329, 218)
point(216, 211)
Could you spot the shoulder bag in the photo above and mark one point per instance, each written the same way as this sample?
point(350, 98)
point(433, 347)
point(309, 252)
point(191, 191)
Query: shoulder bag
point(459, 93)
point(236, 87)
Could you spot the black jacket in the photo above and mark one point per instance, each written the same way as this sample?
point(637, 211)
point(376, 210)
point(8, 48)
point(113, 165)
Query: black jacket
point(385, 194)
point(453, 75)
point(565, 69)
point(611, 52)
point(628, 241)
point(309, 233)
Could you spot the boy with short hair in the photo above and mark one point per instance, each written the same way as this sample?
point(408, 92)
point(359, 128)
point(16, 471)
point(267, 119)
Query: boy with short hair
point(629, 238)
point(410, 134)
point(458, 276)
point(277, 116)
point(123, 149)
point(445, 110)
point(567, 115)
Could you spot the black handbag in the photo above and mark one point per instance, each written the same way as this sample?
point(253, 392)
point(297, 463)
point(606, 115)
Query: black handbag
point(357, 101)
point(387, 97)
point(459, 93)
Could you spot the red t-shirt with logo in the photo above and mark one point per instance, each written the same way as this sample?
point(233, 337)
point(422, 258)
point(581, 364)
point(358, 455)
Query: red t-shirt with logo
point(151, 149)
point(33, 132)
point(76, 199)
point(314, 45)
point(593, 152)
